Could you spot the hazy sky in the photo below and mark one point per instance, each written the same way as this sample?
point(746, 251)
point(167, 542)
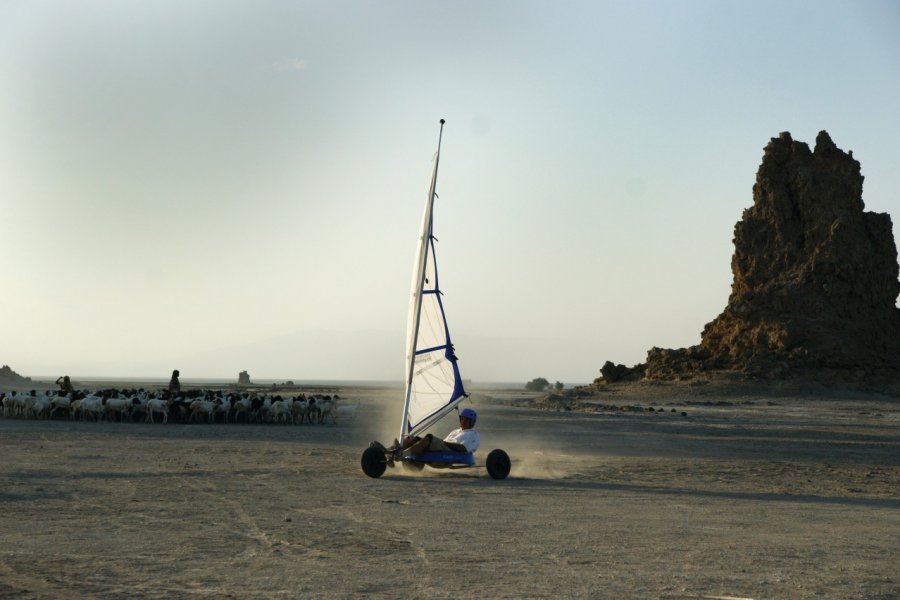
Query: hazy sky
point(217, 185)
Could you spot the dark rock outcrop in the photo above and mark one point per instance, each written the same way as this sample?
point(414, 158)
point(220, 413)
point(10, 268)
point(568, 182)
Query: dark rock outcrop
point(613, 373)
point(815, 279)
point(10, 377)
point(243, 378)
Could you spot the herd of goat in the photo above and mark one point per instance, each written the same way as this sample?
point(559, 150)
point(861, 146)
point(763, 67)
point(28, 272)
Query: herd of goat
point(195, 406)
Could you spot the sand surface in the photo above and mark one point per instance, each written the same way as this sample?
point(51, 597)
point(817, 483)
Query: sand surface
point(758, 498)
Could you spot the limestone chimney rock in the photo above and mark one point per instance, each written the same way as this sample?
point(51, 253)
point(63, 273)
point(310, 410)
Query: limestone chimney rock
point(815, 276)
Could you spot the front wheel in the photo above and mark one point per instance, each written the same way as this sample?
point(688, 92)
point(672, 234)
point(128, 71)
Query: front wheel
point(373, 462)
point(498, 464)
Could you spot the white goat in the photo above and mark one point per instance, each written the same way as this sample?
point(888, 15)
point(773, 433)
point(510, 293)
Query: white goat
point(94, 406)
point(118, 406)
point(329, 408)
point(63, 403)
point(202, 407)
point(279, 412)
point(39, 407)
point(157, 405)
point(299, 410)
point(223, 408)
point(242, 407)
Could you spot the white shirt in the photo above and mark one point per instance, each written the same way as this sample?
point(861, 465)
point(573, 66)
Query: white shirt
point(467, 437)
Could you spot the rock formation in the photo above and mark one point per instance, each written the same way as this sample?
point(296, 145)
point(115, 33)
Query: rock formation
point(10, 377)
point(243, 378)
point(815, 279)
point(613, 373)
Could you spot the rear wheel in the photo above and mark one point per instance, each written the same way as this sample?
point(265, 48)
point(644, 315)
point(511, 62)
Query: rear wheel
point(498, 464)
point(373, 462)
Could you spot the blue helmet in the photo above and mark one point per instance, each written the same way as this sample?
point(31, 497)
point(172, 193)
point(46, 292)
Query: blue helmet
point(470, 414)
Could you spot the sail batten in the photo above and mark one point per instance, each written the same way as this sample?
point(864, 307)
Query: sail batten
point(433, 383)
point(432, 349)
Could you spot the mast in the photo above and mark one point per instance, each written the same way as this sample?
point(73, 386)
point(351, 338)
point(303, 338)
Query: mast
point(424, 246)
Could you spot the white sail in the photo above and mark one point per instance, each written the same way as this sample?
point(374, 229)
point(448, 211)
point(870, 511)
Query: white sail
point(433, 383)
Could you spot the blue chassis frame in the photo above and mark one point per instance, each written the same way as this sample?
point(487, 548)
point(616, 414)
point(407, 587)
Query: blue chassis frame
point(446, 459)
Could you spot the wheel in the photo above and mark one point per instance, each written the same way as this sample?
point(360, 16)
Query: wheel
point(498, 464)
point(373, 462)
point(413, 466)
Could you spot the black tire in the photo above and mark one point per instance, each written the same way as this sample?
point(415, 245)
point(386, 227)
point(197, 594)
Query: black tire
point(373, 462)
point(498, 464)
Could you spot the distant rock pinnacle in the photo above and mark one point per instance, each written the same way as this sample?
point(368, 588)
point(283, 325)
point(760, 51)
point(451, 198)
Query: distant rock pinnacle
point(815, 277)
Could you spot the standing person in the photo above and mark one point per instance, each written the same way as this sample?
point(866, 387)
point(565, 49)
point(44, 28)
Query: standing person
point(65, 384)
point(174, 384)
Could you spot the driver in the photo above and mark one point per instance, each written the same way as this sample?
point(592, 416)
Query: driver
point(463, 439)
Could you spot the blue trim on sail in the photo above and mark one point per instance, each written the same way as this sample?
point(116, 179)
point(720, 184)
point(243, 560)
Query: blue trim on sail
point(432, 349)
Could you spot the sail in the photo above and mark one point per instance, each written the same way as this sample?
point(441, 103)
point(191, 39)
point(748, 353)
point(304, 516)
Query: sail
point(433, 383)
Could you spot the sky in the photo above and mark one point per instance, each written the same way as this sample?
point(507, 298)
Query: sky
point(218, 186)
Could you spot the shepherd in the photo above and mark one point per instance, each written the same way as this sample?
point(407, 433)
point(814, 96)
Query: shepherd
point(65, 384)
point(174, 384)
